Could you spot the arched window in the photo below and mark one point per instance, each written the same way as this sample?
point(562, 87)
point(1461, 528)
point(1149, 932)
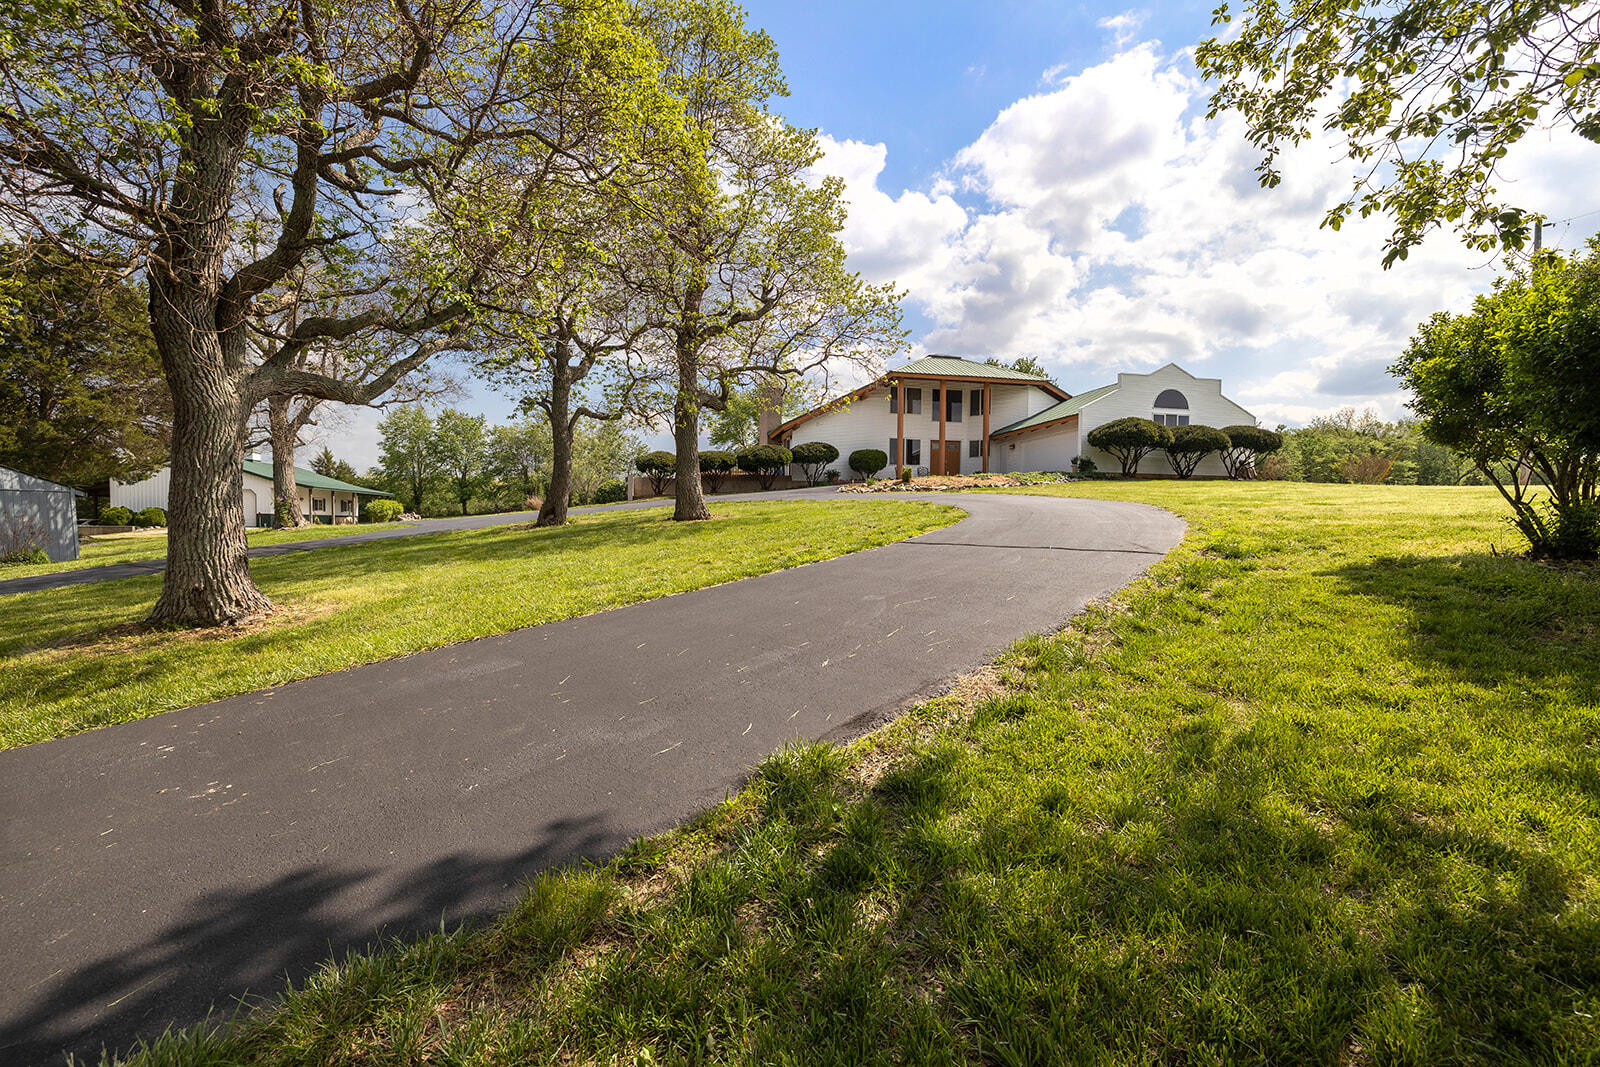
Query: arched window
point(1172, 408)
point(1171, 398)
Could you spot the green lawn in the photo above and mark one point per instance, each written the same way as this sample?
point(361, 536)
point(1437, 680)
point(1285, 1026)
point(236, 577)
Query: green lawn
point(1324, 787)
point(126, 548)
point(75, 658)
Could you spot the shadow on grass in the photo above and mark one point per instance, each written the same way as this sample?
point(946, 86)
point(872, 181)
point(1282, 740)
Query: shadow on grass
point(244, 943)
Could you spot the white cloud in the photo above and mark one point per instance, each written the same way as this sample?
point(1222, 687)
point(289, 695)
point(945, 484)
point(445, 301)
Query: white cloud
point(1123, 28)
point(1102, 224)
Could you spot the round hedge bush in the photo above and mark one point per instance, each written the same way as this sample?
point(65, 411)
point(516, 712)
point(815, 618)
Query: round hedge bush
point(150, 517)
point(117, 516)
point(766, 462)
point(812, 457)
point(868, 461)
point(381, 509)
point(658, 466)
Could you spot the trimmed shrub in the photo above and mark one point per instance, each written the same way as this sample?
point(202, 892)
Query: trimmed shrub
point(868, 461)
point(381, 509)
point(905, 475)
point(613, 491)
point(659, 467)
point(117, 516)
point(766, 462)
point(714, 466)
point(1191, 444)
point(150, 517)
point(812, 457)
point(1084, 465)
point(1130, 440)
point(1246, 445)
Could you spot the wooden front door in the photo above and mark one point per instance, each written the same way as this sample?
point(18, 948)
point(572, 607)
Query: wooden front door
point(946, 460)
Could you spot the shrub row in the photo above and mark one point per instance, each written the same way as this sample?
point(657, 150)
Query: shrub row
point(1131, 439)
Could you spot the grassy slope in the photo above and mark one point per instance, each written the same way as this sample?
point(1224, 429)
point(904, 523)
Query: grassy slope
point(72, 664)
point(127, 548)
point(1324, 787)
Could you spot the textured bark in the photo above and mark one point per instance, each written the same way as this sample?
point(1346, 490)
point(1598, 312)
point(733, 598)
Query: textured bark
point(207, 581)
point(284, 437)
point(690, 502)
point(553, 510)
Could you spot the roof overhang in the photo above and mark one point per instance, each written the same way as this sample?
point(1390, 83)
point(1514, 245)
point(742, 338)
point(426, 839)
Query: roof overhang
point(893, 377)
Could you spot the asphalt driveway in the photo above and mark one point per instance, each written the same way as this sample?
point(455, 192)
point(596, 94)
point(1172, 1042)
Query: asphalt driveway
point(157, 869)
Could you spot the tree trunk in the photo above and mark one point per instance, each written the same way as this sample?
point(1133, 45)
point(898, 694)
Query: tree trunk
point(207, 580)
point(690, 501)
point(284, 438)
point(553, 509)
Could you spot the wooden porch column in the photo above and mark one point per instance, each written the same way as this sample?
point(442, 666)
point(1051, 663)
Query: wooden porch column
point(986, 427)
point(899, 456)
point(944, 408)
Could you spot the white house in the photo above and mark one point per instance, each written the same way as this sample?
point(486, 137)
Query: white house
point(322, 499)
point(948, 415)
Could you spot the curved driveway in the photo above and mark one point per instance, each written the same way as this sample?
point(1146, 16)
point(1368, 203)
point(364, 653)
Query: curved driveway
point(152, 869)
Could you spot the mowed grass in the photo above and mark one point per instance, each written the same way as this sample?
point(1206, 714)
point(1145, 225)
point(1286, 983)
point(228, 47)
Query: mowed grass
point(133, 547)
point(1324, 787)
point(76, 658)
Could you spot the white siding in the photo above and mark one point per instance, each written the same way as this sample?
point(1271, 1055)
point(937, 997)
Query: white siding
point(868, 423)
point(1135, 396)
point(149, 493)
point(1038, 450)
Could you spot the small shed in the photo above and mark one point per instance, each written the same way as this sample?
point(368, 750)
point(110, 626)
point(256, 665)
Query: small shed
point(33, 509)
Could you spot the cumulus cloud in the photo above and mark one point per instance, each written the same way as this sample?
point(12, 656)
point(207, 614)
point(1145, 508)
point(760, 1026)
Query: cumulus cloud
point(1103, 224)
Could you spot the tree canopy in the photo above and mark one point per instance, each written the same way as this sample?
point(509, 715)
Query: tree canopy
point(1429, 96)
point(1129, 440)
point(81, 395)
point(1515, 386)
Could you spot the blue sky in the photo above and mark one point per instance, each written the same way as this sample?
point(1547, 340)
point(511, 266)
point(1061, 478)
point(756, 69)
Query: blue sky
point(1041, 180)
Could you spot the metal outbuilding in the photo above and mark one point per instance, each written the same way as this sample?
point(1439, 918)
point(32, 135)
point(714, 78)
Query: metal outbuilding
point(47, 507)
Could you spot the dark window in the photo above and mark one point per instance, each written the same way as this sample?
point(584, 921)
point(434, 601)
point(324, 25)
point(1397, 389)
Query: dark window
point(975, 449)
point(913, 452)
point(1183, 420)
point(894, 399)
point(975, 402)
point(953, 404)
point(319, 503)
point(894, 452)
point(933, 411)
point(913, 401)
point(1170, 420)
point(1171, 398)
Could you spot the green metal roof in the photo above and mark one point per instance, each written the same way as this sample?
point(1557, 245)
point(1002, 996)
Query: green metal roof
point(956, 367)
point(1058, 411)
point(311, 479)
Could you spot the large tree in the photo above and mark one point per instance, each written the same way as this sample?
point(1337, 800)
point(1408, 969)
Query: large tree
point(167, 136)
point(406, 457)
point(741, 270)
point(81, 395)
point(1429, 97)
point(460, 451)
point(1515, 385)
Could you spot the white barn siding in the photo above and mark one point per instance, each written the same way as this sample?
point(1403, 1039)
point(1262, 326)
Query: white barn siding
point(866, 423)
point(151, 492)
point(1135, 397)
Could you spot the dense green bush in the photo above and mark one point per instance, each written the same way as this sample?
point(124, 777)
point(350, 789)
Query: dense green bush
point(116, 516)
point(21, 556)
point(868, 461)
point(714, 466)
point(1084, 465)
point(613, 491)
point(813, 456)
point(1130, 440)
point(766, 462)
point(150, 517)
point(1191, 444)
point(659, 467)
point(381, 509)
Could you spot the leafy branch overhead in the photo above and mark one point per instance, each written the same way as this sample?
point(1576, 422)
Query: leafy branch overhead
point(1429, 96)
